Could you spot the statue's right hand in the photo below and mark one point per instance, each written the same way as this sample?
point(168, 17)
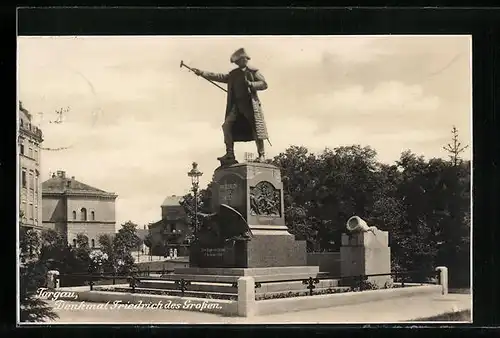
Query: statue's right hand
point(197, 71)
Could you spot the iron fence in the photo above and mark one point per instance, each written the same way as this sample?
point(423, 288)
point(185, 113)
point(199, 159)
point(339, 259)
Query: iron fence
point(360, 282)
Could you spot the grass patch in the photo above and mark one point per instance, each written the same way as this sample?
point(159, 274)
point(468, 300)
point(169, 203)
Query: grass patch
point(459, 316)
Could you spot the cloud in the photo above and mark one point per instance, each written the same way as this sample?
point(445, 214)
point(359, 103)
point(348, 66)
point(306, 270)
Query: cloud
point(392, 97)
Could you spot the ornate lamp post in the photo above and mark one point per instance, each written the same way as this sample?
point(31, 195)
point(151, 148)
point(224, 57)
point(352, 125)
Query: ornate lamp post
point(195, 180)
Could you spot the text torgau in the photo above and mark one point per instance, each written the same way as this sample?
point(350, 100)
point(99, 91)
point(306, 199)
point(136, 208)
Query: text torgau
point(47, 294)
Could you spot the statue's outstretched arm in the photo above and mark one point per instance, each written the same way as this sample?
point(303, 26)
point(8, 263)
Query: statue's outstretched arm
point(218, 77)
point(259, 83)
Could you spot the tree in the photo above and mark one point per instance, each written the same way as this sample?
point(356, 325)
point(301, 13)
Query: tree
point(32, 276)
point(204, 205)
point(455, 148)
point(118, 249)
point(56, 252)
point(82, 253)
point(148, 240)
point(106, 246)
point(29, 244)
point(424, 204)
point(322, 191)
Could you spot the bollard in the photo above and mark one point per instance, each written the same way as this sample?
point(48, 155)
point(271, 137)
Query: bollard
point(443, 278)
point(52, 279)
point(246, 297)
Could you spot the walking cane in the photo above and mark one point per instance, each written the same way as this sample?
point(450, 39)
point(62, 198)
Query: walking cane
point(215, 84)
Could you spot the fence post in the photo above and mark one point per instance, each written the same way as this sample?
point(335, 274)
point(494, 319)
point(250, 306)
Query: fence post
point(443, 278)
point(52, 279)
point(133, 284)
point(246, 297)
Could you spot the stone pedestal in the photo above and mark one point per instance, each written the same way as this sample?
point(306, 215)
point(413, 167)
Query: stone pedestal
point(366, 253)
point(256, 191)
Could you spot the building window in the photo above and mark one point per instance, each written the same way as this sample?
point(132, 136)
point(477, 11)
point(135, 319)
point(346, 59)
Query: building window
point(21, 150)
point(93, 243)
point(36, 155)
point(32, 180)
point(74, 214)
point(83, 214)
point(36, 212)
point(23, 179)
point(30, 152)
point(174, 227)
point(36, 184)
point(92, 215)
point(30, 211)
point(74, 243)
point(24, 209)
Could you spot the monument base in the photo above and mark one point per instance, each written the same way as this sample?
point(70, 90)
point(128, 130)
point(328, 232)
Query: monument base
point(366, 253)
point(265, 249)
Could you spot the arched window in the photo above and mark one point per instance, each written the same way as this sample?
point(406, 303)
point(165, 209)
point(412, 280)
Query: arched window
point(74, 214)
point(93, 243)
point(83, 214)
point(74, 243)
point(92, 215)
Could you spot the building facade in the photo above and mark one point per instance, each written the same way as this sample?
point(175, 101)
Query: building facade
point(72, 207)
point(172, 231)
point(30, 139)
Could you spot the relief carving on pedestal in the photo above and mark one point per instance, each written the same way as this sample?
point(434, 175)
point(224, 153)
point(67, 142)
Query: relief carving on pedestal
point(265, 200)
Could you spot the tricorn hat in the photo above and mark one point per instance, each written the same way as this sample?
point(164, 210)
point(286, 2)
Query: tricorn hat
point(239, 54)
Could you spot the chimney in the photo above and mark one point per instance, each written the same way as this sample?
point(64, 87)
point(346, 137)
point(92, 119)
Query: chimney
point(61, 174)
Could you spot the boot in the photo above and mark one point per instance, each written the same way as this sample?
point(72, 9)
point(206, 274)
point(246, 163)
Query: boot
point(229, 156)
point(260, 150)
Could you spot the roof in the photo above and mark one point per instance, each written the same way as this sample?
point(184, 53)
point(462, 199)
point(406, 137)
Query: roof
point(155, 224)
point(172, 200)
point(26, 126)
point(142, 233)
point(61, 184)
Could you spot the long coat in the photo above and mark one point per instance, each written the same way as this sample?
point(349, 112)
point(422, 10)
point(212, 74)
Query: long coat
point(251, 120)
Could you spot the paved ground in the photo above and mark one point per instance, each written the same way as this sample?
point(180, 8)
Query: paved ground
point(393, 310)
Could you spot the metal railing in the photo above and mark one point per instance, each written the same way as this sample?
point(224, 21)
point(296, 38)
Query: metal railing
point(359, 281)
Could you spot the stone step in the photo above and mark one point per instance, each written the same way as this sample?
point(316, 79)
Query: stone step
point(204, 286)
point(249, 271)
point(193, 278)
point(195, 286)
point(231, 279)
point(187, 293)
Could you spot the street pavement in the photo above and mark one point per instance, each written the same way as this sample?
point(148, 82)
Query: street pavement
point(387, 311)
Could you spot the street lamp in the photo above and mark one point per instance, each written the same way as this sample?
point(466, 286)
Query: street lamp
point(195, 181)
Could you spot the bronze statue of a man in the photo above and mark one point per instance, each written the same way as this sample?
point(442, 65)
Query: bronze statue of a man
point(244, 120)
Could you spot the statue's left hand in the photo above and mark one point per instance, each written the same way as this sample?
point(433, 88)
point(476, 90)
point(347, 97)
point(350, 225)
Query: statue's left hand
point(249, 84)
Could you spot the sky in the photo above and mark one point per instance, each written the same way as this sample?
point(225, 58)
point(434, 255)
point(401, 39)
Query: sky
point(136, 120)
